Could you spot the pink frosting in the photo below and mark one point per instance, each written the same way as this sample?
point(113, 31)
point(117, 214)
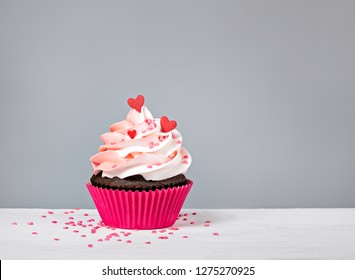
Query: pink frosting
point(137, 146)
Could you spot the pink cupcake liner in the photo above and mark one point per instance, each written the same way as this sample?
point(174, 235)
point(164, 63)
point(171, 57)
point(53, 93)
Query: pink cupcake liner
point(139, 210)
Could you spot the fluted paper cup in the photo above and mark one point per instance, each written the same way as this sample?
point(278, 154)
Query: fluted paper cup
point(139, 209)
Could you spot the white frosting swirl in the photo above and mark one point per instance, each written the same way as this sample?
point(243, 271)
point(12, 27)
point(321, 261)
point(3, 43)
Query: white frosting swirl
point(137, 146)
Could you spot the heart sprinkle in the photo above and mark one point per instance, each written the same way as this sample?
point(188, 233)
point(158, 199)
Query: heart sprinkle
point(136, 103)
point(132, 133)
point(166, 124)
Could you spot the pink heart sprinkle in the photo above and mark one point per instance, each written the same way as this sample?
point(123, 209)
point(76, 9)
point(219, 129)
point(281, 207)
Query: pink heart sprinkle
point(207, 222)
point(90, 245)
point(206, 225)
point(66, 212)
point(215, 233)
point(154, 231)
point(194, 213)
point(149, 166)
point(170, 232)
point(56, 239)
point(43, 216)
point(129, 241)
point(162, 230)
point(65, 227)
point(185, 162)
point(192, 223)
point(119, 240)
point(86, 214)
point(30, 223)
point(99, 240)
point(14, 223)
point(50, 212)
point(75, 231)
point(185, 236)
point(34, 232)
point(76, 208)
point(185, 157)
point(72, 211)
point(179, 141)
point(163, 237)
point(54, 222)
point(147, 242)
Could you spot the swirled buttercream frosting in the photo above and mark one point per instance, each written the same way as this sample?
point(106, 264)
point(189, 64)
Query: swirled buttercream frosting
point(141, 145)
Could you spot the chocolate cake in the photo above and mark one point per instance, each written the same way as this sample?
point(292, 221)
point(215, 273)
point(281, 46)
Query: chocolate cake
point(137, 182)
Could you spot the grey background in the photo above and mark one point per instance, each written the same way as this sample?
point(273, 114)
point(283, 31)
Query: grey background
point(263, 92)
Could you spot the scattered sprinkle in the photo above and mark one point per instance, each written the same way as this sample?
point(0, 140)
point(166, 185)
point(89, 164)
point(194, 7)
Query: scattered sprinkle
point(216, 234)
point(56, 239)
point(34, 232)
point(30, 223)
point(90, 245)
point(163, 237)
point(50, 212)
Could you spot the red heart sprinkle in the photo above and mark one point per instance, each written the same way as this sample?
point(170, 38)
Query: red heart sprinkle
point(132, 133)
point(136, 103)
point(166, 124)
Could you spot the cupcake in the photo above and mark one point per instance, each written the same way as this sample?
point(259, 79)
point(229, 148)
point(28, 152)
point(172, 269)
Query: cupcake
point(138, 180)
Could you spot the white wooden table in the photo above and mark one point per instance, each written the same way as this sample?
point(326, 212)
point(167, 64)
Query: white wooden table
point(199, 234)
